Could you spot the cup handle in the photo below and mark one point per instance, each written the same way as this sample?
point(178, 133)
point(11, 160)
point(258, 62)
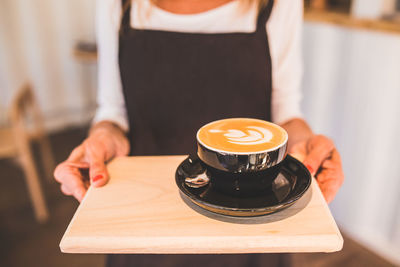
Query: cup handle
point(198, 180)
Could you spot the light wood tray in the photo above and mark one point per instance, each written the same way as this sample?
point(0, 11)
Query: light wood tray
point(142, 211)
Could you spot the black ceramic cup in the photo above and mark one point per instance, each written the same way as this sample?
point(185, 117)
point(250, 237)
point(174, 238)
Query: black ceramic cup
point(242, 173)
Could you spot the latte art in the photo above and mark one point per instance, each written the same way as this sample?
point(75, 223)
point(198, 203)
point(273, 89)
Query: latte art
point(241, 135)
point(253, 135)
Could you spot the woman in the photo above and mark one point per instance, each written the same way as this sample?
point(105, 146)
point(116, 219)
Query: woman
point(166, 67)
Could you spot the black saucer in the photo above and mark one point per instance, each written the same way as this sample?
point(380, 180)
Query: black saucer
point(290, 184)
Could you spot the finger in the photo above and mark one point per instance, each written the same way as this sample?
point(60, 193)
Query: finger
point(299, 151)
point(329, 181)
point(79, 165)
point(329, 188)
point(97, 168)
point(98, 173)
point(74, 160)
point(77, 154)
point(332, 168)
point(65, 190)
point(71, 179)
point(79, 193)
point(75, 185)
point(328, 174)
point(330, 164)
point(336, 156)
point(319, 149)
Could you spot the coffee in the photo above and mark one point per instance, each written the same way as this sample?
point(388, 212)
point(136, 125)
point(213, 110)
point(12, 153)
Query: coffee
point(241, 135)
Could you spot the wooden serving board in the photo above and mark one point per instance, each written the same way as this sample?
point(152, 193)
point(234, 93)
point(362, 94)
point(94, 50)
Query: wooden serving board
point(142, 211)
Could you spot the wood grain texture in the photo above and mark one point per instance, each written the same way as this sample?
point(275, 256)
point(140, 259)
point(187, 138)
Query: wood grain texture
point(142, 211)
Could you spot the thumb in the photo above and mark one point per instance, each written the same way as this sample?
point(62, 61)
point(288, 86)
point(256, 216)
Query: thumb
point(299, 151)
point(98, 171)
point(319, 149)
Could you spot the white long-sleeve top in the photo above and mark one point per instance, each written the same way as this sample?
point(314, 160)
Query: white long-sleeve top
point(283, 29)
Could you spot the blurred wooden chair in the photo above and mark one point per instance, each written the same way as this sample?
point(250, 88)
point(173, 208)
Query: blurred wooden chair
point(15, 141)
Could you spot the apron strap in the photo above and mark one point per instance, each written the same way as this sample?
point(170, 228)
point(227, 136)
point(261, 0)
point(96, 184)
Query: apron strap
point(264, 14)
point(125, 16)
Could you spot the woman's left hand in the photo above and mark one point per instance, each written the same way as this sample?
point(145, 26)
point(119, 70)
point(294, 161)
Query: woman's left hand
point(319, 155)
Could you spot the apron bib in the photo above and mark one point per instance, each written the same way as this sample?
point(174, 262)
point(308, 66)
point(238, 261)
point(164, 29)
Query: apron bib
point(175, 82)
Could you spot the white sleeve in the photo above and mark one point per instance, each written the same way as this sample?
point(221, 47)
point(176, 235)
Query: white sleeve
point(110, 99)
point(284, 29)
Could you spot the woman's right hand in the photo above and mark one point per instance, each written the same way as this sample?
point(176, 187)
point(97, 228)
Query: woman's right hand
point(105, 141)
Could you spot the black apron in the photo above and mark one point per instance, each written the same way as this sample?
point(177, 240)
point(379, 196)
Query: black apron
point(175, 82)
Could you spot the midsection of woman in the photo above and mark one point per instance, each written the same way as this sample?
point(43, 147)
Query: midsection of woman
point(167, 69)
point(283, 30)
point(175, 82)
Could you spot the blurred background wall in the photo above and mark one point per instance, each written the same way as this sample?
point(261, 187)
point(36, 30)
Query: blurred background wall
point(351, 91)
point(36, 42)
